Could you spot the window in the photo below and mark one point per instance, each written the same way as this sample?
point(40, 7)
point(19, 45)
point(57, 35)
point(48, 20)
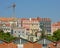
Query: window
point(15, 31)
point(32, 24)
point(23, 32)
point(6, 29)
point(27, 33)
point(19, 35)
point(48, 30)
point(27, 29)
point(19, 31)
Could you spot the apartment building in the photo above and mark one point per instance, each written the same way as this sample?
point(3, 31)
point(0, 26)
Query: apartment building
point(31, 24)
point(32, 27)
point(45, 24)
point(6, 27)
point(19, 32)
point(7, 24)
point(26, 23)
point(55, 26)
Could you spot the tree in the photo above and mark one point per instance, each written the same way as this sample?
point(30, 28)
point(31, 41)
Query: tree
point(6, 36)
point(55, 37)
point(56, 34)
point(51, 38)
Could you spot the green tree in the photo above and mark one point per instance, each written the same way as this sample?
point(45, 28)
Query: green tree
point(56, 35)
point(51, 38)
point(6, 36)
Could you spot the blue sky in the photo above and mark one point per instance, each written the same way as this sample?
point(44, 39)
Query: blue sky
point(32, 8)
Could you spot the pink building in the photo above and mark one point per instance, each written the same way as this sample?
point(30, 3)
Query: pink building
point(25, 23)
point(55, 26)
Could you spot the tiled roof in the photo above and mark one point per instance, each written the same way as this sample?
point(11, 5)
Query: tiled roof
point(51, 45)
point(6, 19)
point(44, 19)
point(24, 19)
point(36, 45)
point(28, 19)
point(8, 45)
point(58, 41)
point(56, 24)
point(32, 45)
point(33, 19)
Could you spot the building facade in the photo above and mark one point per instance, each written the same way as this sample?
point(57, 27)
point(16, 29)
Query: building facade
point(45, 24)
point(19, 32)
point(7, 24)
point(31, 25)
point(55, 26)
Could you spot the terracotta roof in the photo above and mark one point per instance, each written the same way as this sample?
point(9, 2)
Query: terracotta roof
point(32, 45)
point(34, 19)
point(28, 19)
point(51, 45)
point(36, 45)
point(24, 19)
point(6, 19)
point(43, 19)
point(58, 41)
point(56, 24)
point(8, 45)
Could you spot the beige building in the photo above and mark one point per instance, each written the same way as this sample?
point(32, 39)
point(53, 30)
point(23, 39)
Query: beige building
point(31, 24)
point(34, 26)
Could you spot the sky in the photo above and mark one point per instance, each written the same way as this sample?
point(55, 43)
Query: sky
point(31, 9)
